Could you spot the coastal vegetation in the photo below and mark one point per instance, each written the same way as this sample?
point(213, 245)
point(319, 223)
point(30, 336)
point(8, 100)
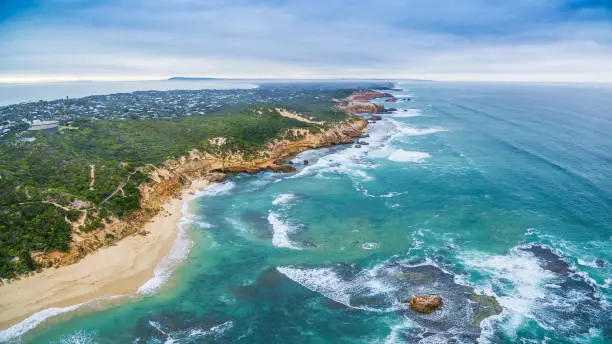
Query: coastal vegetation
point(76, 181)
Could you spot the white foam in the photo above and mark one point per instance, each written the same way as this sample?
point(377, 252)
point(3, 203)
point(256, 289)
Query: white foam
point(409, 113)
point(406, 130)
point(80, 337)
point(283, 199)
point(352, 162)
point(391, 194)
point(369, 246)
point(320, 280)
point(192, 334)
point(327, 283)
point(179, 251)
point(395, 336)
point(217, 189)
point(280, 237)
point(205, 225)
point(34, 320)
point(401, 155)
point(522, 270)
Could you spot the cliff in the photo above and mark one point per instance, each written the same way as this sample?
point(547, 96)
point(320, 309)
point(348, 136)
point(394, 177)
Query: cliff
point(358, 107)
point(167, 181)
point(359, 102)
point(365, 96)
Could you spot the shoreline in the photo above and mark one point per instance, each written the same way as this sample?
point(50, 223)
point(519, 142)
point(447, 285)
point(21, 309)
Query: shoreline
point(138, 265)
point(100, 275)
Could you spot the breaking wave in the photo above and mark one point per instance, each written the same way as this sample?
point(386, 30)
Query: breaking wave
point(79, 337)
point(190, 335)
point(534, 283)
point(406, 113)
point(401, 155)
point(217, 189)
point(283, 199)
point(33, 321)
point(354, 162)
point(282, 229)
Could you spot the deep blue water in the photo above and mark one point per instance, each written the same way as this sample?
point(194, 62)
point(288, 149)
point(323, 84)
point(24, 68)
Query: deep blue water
point(506, 189)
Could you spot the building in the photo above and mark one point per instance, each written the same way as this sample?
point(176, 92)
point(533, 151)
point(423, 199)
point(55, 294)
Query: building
point(44, 125)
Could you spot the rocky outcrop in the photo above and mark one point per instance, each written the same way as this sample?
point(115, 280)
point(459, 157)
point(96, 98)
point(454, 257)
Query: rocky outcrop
point(359, 107)
point(548, 260)
point(359, 102)
point(484, 306)
point(168, 180)
point(375, 118)
point(425, 303)
point(391, 100)
point(365, 96)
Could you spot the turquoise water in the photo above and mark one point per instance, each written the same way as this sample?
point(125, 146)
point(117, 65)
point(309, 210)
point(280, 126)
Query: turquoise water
point(503, 188)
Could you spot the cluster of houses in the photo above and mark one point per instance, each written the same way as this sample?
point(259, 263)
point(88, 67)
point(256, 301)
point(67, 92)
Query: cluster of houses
point(45, 115)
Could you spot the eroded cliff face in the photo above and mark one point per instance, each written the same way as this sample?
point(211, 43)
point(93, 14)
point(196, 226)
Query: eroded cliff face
point(167, 182)
point(359, 107)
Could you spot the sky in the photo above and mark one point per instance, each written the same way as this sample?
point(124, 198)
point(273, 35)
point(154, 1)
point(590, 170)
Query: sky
point(467, 40)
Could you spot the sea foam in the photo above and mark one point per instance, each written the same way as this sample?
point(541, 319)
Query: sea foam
point(283, 199)
point(408, 113)
point(190, 335)
point(181, 247)
point(280, 237)
point(217, 189)
point(33, 321)
point(401, 155)
point(527, 282)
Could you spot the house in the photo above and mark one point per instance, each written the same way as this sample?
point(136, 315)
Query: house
point(44, 125)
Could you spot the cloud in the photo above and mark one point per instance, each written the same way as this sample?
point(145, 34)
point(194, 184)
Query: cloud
point(475, 40)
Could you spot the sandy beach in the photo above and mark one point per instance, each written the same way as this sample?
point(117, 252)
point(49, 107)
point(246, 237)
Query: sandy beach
point(115, 270)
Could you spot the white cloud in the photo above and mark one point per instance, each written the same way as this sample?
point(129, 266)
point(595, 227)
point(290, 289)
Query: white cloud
point(299, 40)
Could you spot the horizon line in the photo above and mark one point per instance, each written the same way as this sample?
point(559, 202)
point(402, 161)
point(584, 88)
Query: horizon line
point(54, 80)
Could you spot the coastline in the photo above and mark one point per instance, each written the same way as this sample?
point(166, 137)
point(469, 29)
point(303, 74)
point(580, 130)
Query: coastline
point(130, 266)
point(117, 270)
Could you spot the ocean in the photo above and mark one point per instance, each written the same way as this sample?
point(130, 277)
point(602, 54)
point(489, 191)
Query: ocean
point(467, 189)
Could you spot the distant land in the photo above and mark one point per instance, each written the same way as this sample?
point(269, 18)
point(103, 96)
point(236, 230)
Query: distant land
point(188, 78)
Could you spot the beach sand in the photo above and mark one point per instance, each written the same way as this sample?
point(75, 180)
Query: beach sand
point(115, 270)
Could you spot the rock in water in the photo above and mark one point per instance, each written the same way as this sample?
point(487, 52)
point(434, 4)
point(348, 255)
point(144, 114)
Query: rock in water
point(548, 260)
point(375, 118)
point(484, 306)
point(283, 168)
point(425, 303)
